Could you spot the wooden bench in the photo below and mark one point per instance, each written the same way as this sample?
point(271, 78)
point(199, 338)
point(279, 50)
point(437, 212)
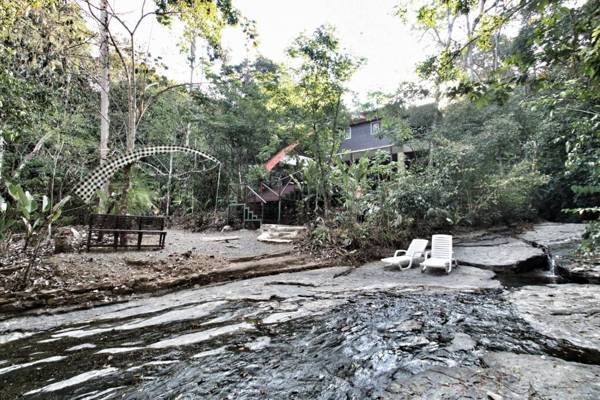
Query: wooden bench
point(119, 226)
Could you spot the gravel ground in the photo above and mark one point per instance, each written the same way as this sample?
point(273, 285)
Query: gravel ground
point(180, 241)
point(104, 274)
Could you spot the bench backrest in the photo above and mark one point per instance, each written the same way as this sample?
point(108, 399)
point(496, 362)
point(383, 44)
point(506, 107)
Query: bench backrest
point(441, 246)
point(417, 246)
point(126, 222)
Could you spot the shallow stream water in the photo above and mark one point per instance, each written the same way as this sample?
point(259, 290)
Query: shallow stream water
point(556, 254)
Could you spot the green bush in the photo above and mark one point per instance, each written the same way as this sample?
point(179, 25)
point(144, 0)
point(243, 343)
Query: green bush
point(591, 240)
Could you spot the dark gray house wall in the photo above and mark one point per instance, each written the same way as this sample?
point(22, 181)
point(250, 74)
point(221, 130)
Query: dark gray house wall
point(363, 139)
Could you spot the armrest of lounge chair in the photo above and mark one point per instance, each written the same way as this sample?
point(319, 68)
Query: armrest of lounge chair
point(399, 251)
point(427, 254)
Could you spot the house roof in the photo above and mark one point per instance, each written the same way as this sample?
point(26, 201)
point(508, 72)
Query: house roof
point(363, 118)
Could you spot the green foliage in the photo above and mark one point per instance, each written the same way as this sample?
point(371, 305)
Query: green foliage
point(6, 222)
point(256, 174)
point(205, 19)
point(240, 124)
point(46, 105)
point(484, 168)
point(36, 215)
point(35, 212)
point(518, 139)
point(400, 119)
point(317, 101)
point(591, 239)
point(141, 198)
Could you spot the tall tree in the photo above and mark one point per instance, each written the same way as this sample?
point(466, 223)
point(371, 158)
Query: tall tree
point(205, 17)
point(44, 64)
point(322, 75)
point(104, 97)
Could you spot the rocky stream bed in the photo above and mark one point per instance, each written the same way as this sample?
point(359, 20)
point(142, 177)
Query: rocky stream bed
point(334, 333)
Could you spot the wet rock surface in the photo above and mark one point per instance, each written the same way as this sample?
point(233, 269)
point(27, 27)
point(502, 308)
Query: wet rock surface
point(324, 334)
point(500, 253)
point(503, 375)
point(568, 312)
point(552, 234)
point(320, 283)
point(354, 349)
point(338, 333)
point(505, 252)
point(582, 271)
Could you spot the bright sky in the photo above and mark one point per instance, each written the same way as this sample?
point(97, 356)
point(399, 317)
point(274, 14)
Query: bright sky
point(366, 28)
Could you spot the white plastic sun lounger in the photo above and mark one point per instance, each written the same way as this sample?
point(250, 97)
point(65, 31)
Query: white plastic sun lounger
point(441, 255)
point(414, 254)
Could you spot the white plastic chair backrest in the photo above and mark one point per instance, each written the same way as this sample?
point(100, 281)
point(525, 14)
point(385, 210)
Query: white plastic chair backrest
point(441, 246)
point(417, 246)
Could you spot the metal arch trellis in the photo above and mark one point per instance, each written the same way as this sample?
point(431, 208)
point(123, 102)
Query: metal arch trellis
point(95, 180)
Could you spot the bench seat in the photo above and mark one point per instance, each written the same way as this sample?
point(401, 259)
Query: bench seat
point(119, 226)
point(128, 231)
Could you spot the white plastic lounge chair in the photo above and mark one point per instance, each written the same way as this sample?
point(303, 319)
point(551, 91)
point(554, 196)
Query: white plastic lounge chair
point(441, 255)
point(414, 254)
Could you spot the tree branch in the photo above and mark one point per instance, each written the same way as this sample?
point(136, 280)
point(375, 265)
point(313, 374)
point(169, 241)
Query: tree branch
point(38, 146)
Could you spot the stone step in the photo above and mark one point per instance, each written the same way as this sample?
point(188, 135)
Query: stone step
point(279, 238)
point(273, 233)
point(283, 228)
point(288, 235)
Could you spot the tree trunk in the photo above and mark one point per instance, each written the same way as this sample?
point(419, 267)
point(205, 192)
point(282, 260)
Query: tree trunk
point(104, 100)
point(469, 55)
point(169, 181)
point(131, 128)
point(192, 64)
point(36, 149)
point(1, 159)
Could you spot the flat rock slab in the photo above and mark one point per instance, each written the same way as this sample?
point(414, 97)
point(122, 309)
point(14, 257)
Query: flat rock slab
point(551, 234)
point(267, 238)
point(506, 376)
point(581, 271)
point(568, 312)
point(500, 254)
point(324, 283)
point(271, 233)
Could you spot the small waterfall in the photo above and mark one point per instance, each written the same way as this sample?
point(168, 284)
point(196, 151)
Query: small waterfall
point(551, 264)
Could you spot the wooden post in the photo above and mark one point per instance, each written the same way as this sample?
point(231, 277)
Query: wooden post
point(140, 234)
point(89, 239)
point(279, 210)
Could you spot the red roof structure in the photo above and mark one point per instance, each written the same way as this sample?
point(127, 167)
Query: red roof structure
point(279, 156)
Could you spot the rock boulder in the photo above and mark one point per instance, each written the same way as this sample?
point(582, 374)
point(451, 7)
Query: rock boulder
point(568, 312)
point(550, 234)
point(500, 254)
point(583, 271)
point(504, 376)
point(67, 240)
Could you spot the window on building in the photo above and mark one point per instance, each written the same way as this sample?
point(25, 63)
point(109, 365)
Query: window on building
point(349, 133)
point(375, 126)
